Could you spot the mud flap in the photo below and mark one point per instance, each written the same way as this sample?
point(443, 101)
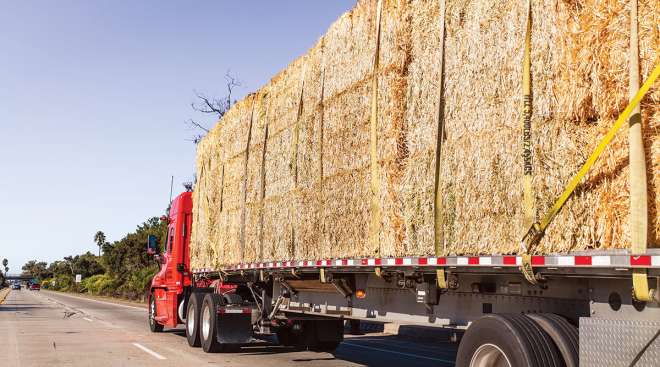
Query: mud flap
point(234, 328)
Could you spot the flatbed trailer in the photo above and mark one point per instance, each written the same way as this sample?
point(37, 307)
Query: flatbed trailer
point(581, 310)
point(591, 290)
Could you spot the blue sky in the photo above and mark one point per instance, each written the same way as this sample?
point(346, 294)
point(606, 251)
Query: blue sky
point(93, 99)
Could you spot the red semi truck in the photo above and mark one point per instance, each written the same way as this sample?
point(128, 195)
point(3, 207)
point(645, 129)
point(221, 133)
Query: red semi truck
point(581, 310)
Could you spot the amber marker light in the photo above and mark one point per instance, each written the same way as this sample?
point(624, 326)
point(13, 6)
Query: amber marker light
point(360, 293)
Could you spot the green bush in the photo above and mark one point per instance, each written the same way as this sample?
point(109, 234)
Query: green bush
point(99, 284)
point(62, 283)
point(137, 284)
point(46, 283)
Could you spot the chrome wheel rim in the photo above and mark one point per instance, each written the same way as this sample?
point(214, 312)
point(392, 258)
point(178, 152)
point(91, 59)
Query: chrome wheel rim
point(206, 323)
point(190, 321)
point(489, 355)
point(152, 311)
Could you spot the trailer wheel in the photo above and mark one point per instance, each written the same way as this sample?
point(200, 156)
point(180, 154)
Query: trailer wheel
point(192, 319)
point(208, 323)
point(506, 340)
point(563, 333)
point(154, 326)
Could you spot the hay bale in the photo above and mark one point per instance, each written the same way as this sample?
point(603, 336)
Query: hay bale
point(306, 182)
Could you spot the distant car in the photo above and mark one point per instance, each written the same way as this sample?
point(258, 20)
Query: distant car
point(16, 286)
point(35, 287)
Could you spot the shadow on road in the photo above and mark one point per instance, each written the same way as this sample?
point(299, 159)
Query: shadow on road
point(369, 349)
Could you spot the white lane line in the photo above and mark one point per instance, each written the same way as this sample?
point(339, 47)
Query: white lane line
point(104, 302)
point(88, 319)
point(399, 353)
point(147, 350)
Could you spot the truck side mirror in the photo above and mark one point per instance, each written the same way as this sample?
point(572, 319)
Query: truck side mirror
point(152, 245)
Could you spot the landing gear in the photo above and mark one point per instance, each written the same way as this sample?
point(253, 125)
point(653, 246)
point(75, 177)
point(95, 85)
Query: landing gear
point(154, 326)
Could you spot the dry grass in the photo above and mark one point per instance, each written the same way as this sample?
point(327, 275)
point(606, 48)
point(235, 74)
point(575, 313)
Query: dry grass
point(318, 205)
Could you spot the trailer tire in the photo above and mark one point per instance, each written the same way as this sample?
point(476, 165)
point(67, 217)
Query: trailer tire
point(563, 333)
point(507, 338)
point(208, 322)
point(154, 326)
point(192, 319)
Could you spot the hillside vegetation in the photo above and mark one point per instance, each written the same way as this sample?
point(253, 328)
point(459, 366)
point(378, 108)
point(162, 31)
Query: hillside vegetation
point(123, 268)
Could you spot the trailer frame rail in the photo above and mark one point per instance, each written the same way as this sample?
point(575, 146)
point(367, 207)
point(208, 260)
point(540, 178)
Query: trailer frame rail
point(650, 260)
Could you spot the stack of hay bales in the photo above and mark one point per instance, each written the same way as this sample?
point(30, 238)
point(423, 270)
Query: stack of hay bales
point(286, 173)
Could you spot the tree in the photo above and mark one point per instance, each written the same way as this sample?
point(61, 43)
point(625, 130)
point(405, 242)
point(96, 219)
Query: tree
point(213, 106)
point(86, 264)
point(2, 276)
point(99, 238)
point(59, 268)
point(37, 270)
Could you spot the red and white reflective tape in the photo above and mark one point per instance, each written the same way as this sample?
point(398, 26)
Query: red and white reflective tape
point(549, 261)
point(223, 310)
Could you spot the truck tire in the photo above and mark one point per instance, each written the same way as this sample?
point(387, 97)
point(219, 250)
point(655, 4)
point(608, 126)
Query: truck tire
point(208, 322)
point(192, 319)
point(563, 333)
point(506, 340)
point(154, 326)
point(232, 299)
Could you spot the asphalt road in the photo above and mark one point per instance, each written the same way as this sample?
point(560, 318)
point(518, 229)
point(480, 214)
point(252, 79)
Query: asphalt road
point(53, 329)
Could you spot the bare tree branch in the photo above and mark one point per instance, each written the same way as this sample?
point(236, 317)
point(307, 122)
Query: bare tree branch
point(213, 106)
point(195, 124)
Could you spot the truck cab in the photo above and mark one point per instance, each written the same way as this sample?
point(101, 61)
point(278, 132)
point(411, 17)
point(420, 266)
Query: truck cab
point(218, 312)
point(166, 296)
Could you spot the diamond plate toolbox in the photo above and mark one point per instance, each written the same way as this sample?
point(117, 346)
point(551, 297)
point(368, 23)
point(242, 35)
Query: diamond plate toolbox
point(610, 343)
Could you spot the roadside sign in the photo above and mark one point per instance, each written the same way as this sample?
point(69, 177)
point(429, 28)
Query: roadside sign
point(78, 278)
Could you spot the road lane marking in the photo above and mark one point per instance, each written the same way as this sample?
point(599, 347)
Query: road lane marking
point(147, 350)
point(399, 353)
point(107, 303)
point(88, 319)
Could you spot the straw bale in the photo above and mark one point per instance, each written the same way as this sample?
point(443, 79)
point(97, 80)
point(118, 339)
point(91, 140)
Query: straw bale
point(313, 200)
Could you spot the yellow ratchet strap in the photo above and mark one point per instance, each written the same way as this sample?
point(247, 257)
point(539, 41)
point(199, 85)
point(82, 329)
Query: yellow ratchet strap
point(528, 192)
point(637, 161)
point(438, 212)
point(536, 231)
point(375, 224)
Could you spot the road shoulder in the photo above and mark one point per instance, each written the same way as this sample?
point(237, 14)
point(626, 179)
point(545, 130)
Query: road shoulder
point(103, 299)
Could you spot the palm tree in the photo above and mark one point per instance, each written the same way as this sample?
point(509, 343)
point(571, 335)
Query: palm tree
point(99, 238)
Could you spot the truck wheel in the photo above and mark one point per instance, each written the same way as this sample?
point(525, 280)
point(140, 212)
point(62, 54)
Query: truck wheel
point(208, 322)
point(506, 340)
point(154, 326)
point(192, 319)
point(563, 333)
